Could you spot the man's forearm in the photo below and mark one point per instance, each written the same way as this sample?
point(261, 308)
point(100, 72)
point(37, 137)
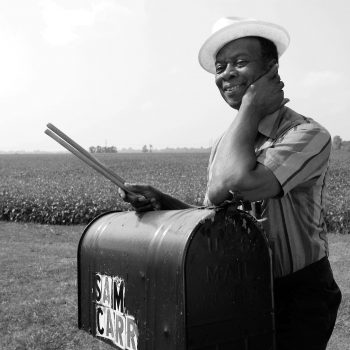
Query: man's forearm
point(171, 203)
point(235, 156)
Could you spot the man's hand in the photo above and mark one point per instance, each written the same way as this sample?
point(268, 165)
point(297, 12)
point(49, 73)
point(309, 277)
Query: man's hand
point(144, 197)
point(148, 198)
point(265, 95)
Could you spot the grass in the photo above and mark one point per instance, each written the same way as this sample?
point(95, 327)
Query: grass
point(38, 293)
point(340, 261)
point(38, 304)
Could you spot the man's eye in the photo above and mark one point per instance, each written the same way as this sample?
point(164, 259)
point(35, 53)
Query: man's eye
point(219, 69)
point(241, 63)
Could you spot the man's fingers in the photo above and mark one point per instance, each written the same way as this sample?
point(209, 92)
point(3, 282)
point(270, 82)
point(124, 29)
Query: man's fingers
point(281, 95)
point(133, 199)
point(285, 100)
point(147, 204)
point(151, 205)
point(140, 209)
point(139, 201)
point(276, 78)
point(135, 195)
point(121, 193)
point(273, 72)
point(142, 197)
point(136, 188)
point(156, 205)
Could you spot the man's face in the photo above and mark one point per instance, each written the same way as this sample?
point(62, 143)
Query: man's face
point(238, 64)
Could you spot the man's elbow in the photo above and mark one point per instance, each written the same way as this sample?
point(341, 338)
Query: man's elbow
point(219, 189)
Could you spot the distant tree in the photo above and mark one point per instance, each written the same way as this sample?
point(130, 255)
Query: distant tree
point(144, 149)
point(150, 148)
point(346, 145)
point(337, 142)
point(103, 149)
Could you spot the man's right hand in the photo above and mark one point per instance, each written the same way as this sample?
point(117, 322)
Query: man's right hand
point(143, 197)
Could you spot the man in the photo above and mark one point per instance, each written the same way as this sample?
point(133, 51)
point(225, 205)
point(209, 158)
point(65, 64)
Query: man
point(277, 159)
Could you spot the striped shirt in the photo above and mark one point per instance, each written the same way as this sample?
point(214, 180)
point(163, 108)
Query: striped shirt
point(296, 149)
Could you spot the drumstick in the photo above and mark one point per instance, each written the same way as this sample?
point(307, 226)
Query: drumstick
point(87, 154)
point(91, 161)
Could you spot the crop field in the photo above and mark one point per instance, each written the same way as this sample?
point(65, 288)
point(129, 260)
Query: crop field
point(60, 189)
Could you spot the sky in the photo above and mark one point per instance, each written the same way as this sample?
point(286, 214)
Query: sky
point(126, 72)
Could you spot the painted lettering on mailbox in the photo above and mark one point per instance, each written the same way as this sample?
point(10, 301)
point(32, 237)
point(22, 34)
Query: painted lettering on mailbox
point(112, 320)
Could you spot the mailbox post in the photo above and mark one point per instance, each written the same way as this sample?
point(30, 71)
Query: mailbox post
point(176, 280)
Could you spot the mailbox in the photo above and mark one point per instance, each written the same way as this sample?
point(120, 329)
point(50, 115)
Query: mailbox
point(177, 279)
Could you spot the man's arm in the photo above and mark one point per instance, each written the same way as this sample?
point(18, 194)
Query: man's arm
point(235, 167)
point(146, 198)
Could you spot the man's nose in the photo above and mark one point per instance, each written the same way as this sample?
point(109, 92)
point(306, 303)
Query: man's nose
point(230, 71)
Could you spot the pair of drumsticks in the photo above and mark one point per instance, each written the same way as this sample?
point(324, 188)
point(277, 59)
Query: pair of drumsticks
point(65, 141)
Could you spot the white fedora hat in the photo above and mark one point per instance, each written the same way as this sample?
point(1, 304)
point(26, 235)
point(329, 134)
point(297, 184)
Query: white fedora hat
point(230, 28)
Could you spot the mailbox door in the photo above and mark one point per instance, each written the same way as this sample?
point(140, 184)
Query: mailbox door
point(229, 300)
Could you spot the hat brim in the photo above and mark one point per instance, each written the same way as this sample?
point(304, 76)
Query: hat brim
point(207, 53)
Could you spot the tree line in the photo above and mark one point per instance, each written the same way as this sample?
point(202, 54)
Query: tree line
point(338, 143)
point(103, 149)
point(113, 149)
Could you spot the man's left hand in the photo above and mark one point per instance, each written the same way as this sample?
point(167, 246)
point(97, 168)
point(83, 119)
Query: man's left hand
point(265, 94)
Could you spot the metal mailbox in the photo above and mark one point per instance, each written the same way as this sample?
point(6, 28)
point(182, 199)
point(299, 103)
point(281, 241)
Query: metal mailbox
point(180, 279)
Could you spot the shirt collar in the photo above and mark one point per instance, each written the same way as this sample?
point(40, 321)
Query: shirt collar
point(268, 125)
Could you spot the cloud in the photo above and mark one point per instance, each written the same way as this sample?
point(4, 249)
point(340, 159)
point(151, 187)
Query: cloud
point(321, 79)
point(61, 24)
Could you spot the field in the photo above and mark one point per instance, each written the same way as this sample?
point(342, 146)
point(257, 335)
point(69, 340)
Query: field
point(38, 302)
point(59, 189)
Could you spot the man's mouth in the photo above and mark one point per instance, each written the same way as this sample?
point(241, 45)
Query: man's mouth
point(233, 88)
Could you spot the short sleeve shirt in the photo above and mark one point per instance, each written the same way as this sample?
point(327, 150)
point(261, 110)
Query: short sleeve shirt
point(296, 149)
